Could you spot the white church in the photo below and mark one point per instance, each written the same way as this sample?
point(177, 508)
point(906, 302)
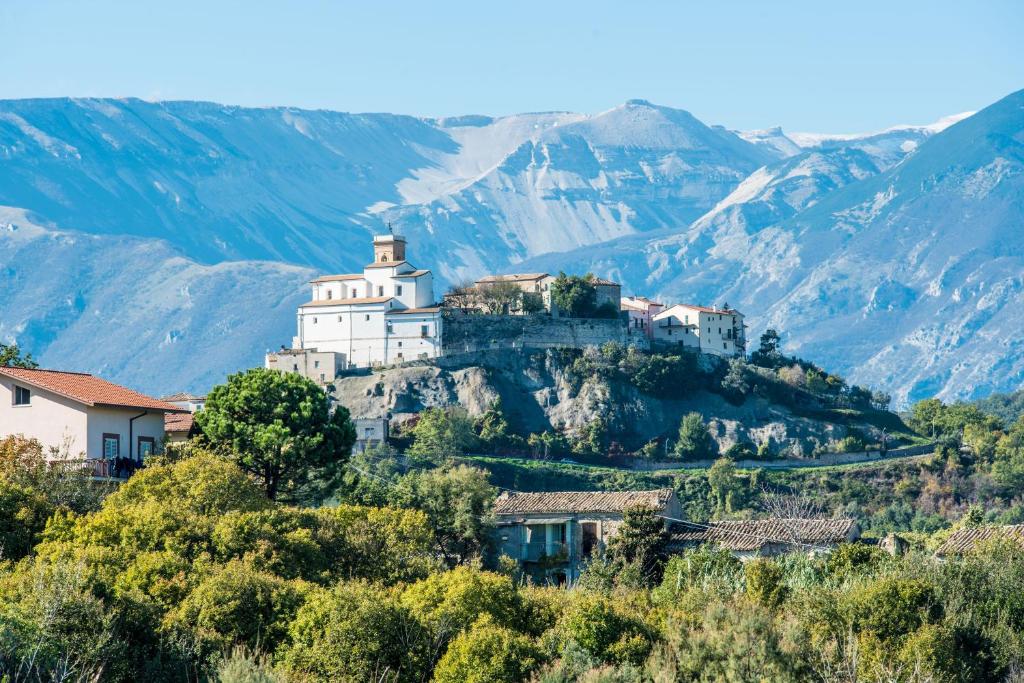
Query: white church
point(386, 314)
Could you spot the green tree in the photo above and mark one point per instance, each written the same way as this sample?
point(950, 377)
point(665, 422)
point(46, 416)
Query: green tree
point(501, 297)
point(768, 354)
point(495, 433)
point(442, 433)
point(11, 356)
point(354, 633)
point(640, 541)
point(574, 295)
point(279, 428)
point(23, 515)
point(488, 653)
point(765, 580)
point(695, 442)
point(735, 386)
point(726, 488)
point(458, 503)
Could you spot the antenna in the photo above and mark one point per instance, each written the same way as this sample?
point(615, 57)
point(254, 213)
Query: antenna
point(390, 229)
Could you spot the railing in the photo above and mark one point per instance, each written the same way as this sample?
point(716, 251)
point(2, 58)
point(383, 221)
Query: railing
point(534, 552)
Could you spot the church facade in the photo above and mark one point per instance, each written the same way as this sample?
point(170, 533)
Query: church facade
point(386, 314)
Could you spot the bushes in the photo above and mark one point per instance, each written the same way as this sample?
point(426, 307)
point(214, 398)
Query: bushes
point(488, 653)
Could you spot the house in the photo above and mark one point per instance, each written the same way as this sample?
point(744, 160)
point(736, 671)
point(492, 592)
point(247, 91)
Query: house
point(183, 399)
point(386, 314)
point(537, 285)
point(640, 312)
point(322, 367)
point(749, 538)
point(179, 427)
point(966, 539)
point(719, 331)
point(370, 431)
point(608, 292)
point(551, 535)
point(112, 427)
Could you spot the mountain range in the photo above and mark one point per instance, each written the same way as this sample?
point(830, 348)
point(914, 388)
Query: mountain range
point(165, 244)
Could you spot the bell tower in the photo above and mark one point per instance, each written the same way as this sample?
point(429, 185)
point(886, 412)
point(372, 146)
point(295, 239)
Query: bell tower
point(388, 248)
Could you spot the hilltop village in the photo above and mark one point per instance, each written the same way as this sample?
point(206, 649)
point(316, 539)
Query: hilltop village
point(389, 315)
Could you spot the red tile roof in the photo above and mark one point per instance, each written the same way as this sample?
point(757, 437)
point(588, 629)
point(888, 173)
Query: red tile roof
point(87, 389)
point(178, 422)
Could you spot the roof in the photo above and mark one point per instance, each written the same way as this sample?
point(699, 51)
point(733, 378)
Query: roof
point(638, 303)
point(601, 282)
point(407, 311)
point(87, 389)
point(336, 278)
point(412, 273)
point(348, 302)
point(178, 422)
point(182, 396)
point(705, 309)
point(754, 534)
point(964, 540)
point(514, 503)
point(512, 277)
point(386, 264)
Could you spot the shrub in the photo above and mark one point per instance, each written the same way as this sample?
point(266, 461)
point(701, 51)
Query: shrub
point(488, 653)
point(765, 582)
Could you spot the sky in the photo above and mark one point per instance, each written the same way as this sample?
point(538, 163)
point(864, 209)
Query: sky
point(807, 66)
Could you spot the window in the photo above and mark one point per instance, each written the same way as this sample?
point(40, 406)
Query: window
point(314, 320)
point(367, 316)
point(339, 318)
point(22, 396)
point(147, 447)
point(724, 346)
point(316, 364)
point(398, 290)
point(719, 330)
point(111, 446)
point(399, 344)
point(330, 294)
point(384, 258)
point(322, 377)
point(424, 330)
point(380, 290)
point(295, 367)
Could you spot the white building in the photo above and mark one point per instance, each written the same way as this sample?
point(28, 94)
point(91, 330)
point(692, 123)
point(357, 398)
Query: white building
point(86, 416)
point(386, 314)
point(719, 331)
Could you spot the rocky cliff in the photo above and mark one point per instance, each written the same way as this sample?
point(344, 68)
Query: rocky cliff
point(538, 393)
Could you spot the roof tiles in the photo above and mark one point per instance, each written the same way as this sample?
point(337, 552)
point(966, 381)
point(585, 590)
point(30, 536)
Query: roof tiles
point(86, 389)
point(514, 503)
point(754, 534)
point(964, 540)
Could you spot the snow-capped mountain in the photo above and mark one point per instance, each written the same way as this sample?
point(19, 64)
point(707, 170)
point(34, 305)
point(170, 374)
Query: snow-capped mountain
point(181, 233)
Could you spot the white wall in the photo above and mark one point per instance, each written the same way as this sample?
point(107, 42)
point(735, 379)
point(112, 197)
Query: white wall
point(50, 418)
point(104, 420)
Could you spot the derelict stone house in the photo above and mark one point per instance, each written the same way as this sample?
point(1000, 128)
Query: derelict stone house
point(552, 534)
point(749, 538)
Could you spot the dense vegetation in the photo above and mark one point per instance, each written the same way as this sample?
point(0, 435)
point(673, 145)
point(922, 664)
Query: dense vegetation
point(189, 572)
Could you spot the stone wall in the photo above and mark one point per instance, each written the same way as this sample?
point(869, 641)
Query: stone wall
point(468, 332)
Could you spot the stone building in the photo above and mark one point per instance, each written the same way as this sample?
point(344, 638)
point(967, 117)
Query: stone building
point(321, 367)
point(750, 538)
point(719, 331)
point(551, 535)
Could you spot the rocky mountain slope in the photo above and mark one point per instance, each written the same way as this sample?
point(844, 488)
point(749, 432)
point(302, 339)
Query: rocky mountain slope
point(904, 275)
point(538, 394)
point(845, 242)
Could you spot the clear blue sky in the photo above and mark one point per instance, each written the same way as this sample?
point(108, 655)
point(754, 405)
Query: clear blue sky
point(803, 65)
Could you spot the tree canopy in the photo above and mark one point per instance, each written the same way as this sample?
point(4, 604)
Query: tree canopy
point(279, 428)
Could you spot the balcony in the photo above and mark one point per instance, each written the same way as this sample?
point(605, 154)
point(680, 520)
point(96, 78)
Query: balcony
point(554, 552)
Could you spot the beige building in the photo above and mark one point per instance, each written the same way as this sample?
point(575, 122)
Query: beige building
point(552, 535)
point(718, 331)
point(386, 314)
point(531, 284)
point(320, 366)
point(640, 312)
point(112, 427)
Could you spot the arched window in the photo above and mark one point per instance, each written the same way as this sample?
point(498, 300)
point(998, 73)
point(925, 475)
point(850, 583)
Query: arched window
point(384, 258)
